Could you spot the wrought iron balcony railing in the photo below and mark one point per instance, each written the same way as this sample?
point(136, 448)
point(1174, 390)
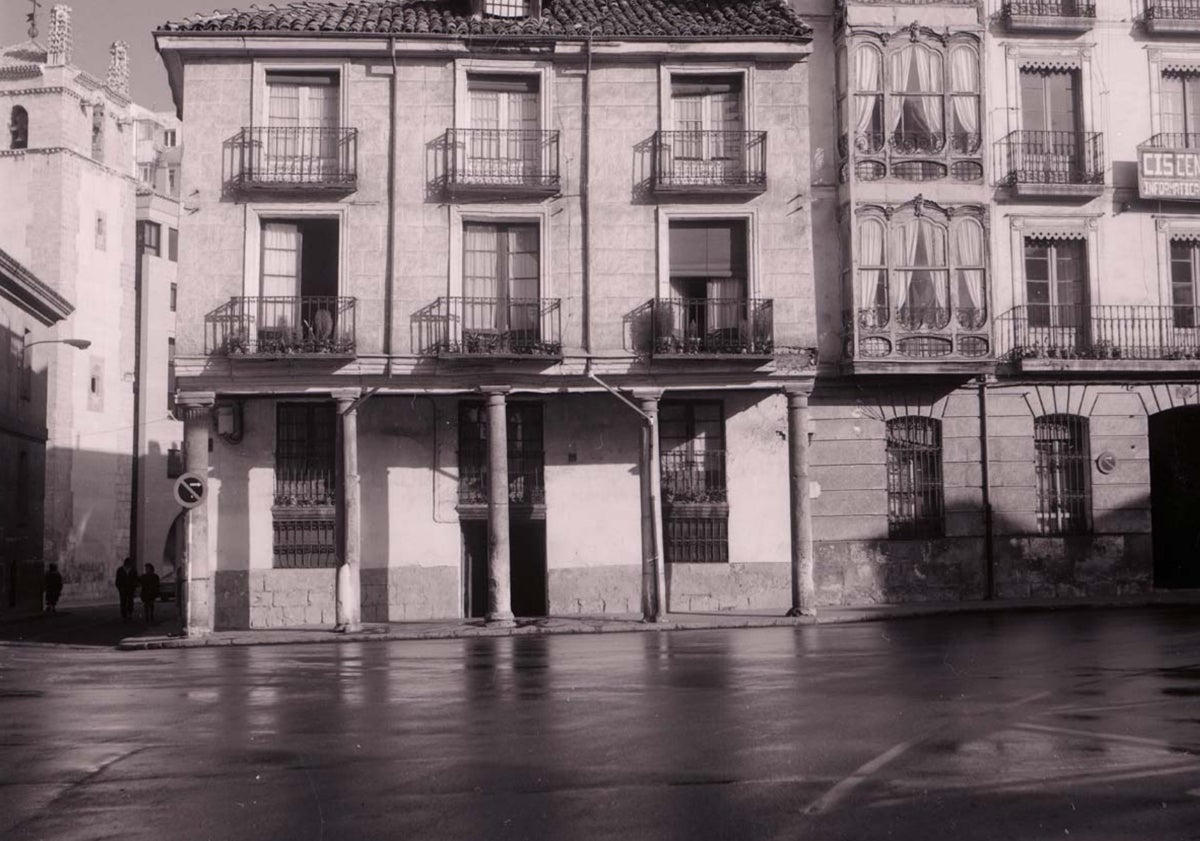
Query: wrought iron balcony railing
point(526, 478)
point(294, 159)
point(1112, 331)
point(283, 326)
point(499, 327)
point(490, 161)
point(714, 327)
point(693, 477)
point(1049, 8)
point(1173, 140)
point(703, 161)
point(1052, 158)
point(1173, 10)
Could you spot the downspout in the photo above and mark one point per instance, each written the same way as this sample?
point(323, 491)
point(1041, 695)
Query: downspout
point(139, 380)
point(989, 553)
point(585, 161)
point(391, 212)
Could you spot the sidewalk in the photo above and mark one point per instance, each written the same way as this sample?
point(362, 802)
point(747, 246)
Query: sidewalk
point(459, 629)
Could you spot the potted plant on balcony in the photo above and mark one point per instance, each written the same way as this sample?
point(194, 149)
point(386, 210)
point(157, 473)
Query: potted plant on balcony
point(761, 341)
point(665, 340)
point(237, 343)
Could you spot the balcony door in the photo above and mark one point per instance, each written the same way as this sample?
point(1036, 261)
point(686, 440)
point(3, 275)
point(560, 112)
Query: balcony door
point(1180, 109)
point(503, 143)
point(1051, 124)
point(1056, 295)
point(501, 269)
point(708, 306)
point(297, 299)
point(708, 146)
point(302, 122)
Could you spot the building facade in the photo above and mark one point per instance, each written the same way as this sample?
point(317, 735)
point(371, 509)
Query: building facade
point(436, 283)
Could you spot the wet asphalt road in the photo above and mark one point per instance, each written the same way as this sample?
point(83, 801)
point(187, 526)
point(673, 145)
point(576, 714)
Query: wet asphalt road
point(1069, 725)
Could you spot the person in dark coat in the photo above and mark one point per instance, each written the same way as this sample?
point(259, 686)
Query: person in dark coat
point(127, 582)
point(54, 584)
point(150, 587)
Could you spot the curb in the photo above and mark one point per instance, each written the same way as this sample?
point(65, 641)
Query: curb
point(559, 625)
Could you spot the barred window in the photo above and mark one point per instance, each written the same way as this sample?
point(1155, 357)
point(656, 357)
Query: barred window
point(692, 459)
point(914, 477)
point(1061, 461)
point(526, 458)
point(304, 519)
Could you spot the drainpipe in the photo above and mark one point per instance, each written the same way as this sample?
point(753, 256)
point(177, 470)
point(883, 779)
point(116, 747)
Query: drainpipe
point(654, 583)
point(391, 212)
point(989, 553)
point(585, 195)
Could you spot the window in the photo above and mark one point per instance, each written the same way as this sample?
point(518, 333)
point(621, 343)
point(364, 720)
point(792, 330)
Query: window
point(101, 232)
point(145, 131)
point(303, 114)
point(173, 181)
point(692, 462)
point(1185, 271)
point(305, 489)
point(910, 94)
point(146, 174)
point(708, 283)
point(504, 142)
point(1056, 285)
point(1051, 146)
point(18, 128)
point(1179, 97)
point(501, 270)
point(297, 307)
point(173, 246)
point(526, 458)
point(98, 132)
point(1062, 465)
point(174, 296)
point(506, 8)
point(920, 269)
point(149, 238)
point(914, 477)
point(169, 138)
point(171, 374)
point(708, 120)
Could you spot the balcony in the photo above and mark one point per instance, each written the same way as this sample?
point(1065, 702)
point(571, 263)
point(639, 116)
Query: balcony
point(499, 163)
point(713, 328)
point(310, 326)
point(499, 328)
point(1170, 17)
point(710, 163)
point(1048, 15)
point(1115, 337)
point(526, 479)
point(293, 160)
point(1053, 164)
point(693, 478)
point(1169, 167)
point(916, 156)
point(924, 340)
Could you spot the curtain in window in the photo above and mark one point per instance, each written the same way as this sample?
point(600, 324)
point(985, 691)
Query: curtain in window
point(280, 282)
point(929, 81)
point(920, 111)
point(872, 281)
point(906, 237)
point(522, 247)
point(968, 254)
point(727, 304)
point(922, 294)
point(902, 61)
point(964, 79)
point(688, 115)
point(867, 67)
point(481, 278)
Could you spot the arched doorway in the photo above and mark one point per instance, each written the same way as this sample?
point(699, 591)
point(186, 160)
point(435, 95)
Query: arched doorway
point(1175, 496)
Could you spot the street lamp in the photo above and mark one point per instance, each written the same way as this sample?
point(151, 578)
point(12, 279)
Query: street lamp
point(80, 344)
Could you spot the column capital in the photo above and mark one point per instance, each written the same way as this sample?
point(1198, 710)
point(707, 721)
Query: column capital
point(495, 389)
point(644, 395)
point(196, 399)
point(797, 394)
point(345, 395)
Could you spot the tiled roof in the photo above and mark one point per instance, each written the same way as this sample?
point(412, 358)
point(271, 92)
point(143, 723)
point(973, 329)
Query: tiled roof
point(23, 59)
point(656, 19)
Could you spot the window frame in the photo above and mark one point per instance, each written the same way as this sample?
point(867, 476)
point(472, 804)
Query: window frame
point(172, 244)
point(669, 72)
point(460, 216)
point(705, 518)
point(1057, 55)
point(666, 214)
point(1055, 227)
point(916, 508)
point(151, 245)
point(260, 103)
point(1054, 306)
point(258, 214)
point(465, 67)
point(18, 128)
point(1049, 499)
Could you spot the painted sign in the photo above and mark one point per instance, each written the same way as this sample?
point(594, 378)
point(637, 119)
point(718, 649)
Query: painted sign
point(1169, 173)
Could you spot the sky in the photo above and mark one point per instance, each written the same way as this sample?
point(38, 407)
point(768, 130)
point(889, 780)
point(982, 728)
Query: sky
point(95, 24)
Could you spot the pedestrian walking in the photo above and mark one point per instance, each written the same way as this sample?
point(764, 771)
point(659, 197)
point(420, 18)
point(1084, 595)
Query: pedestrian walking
point(150, 586)
point(53, 586)
point(127, 582)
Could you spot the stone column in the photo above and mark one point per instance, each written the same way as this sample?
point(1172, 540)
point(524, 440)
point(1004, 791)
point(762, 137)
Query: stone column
point(654, 578)
point(349, 571)
point(801, 509)
point(499, 609)
point(194, 576)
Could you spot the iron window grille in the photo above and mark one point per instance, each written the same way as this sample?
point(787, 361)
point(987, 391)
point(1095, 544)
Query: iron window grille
point(304, 518)
point(914, 478)
point(526, 458)
point(1061, 462)
point(692, 464)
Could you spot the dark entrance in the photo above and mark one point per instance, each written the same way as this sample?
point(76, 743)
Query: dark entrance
point(527, 567)
point(1175, 496)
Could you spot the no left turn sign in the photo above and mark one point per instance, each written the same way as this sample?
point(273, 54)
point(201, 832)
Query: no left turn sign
point(190, 489)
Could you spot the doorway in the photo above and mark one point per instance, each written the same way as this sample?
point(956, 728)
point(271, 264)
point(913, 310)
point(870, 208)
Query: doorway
point(527, 567)
point(1175, 496)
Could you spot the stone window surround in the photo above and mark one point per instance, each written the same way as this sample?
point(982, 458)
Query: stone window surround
point(687, 213)
point(259, 99)
point(1050, 56)
point(1167, 230)
point(1161, 61)
point(497, 214)
point(257, 214)
point(666, 72)
point(544, 70)
point(1085, 228)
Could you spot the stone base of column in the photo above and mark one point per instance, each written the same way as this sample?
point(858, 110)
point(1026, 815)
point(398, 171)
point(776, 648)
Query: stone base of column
point(797, 612)
point(500, 622)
